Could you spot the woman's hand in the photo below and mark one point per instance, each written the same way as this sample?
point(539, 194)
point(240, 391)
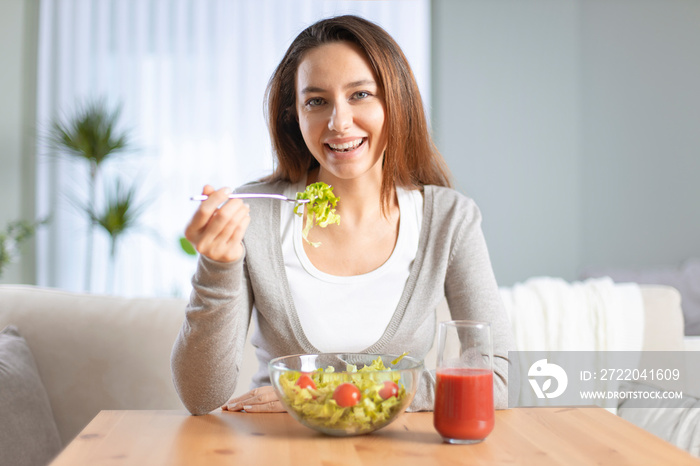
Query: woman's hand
point(217, 232)
point(259, 400)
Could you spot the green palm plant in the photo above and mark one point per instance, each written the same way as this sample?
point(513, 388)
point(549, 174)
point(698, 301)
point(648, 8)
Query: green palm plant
point(91, 135)
point(119, 214)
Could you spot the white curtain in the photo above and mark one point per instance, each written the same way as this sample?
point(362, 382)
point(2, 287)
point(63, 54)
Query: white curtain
point(189, 76)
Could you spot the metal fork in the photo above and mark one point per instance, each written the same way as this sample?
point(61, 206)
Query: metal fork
point(279, 197)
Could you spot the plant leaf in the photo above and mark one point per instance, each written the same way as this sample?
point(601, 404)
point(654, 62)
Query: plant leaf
point(90, 134)
point(187, 246)
point(119, 213)
point(13, 236)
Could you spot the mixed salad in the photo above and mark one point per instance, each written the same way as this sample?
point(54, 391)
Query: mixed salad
point(359, 402)
point(320, 209)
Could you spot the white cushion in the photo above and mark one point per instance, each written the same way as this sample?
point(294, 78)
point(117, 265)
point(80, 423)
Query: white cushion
point(674, 420)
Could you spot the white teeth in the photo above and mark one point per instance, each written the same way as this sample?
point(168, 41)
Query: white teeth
point(346, 146)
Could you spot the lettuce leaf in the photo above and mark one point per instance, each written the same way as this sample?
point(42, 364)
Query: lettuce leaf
point(320, 209)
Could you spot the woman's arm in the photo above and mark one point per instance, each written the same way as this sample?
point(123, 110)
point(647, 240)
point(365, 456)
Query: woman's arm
point(207, 354)
point(472, 294)
point(209, 348)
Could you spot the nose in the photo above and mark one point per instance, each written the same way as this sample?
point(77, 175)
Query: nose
point(341, 118)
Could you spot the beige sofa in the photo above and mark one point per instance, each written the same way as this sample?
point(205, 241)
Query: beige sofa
point(97, 352)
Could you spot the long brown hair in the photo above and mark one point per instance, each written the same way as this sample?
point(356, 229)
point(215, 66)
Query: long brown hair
point(411, 159)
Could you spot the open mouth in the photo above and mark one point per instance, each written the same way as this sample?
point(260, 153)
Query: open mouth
point(347, 146)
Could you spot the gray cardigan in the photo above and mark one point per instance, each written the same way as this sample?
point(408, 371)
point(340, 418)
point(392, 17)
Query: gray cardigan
point(452, 261)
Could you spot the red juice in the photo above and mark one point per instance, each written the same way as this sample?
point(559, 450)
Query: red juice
point(464, 403)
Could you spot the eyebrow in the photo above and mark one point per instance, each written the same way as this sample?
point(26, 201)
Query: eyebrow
point(362, 82)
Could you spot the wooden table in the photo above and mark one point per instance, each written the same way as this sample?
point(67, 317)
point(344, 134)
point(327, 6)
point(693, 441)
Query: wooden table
point(522, 436)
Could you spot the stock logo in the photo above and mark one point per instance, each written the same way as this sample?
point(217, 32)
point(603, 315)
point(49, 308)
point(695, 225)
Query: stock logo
point(547, 371)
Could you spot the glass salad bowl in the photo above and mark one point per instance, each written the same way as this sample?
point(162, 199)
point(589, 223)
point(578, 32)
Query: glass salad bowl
point(345, 394)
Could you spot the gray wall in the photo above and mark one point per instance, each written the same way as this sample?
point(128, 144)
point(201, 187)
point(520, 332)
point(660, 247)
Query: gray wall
point(640, 132)
point(575, 125)
point(18, 29)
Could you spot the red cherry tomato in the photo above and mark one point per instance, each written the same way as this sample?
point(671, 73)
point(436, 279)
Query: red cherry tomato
point(346, 395)
point(388, 390)
point(305, 382)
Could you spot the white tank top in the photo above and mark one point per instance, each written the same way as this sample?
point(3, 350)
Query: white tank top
point(348, 314)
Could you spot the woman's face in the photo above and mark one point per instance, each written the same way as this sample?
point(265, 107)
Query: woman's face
point(341, 111)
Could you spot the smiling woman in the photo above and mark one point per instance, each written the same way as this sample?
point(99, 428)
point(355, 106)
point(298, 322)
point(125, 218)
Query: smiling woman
point(344, 109)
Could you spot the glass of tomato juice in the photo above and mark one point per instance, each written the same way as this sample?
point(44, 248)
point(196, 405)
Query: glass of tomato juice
point(464, 411)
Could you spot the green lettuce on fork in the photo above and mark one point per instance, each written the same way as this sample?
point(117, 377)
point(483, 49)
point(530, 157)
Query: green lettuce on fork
point(315, 401)
point(319, 210)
